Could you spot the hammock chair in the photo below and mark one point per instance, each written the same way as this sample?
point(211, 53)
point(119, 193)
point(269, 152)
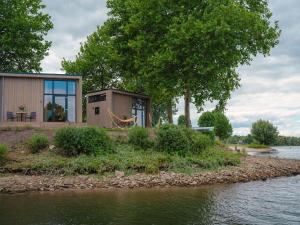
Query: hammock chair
point(121, 123)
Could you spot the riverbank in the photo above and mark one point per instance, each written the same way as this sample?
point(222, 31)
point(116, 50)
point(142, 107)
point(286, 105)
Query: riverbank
point(250, 169)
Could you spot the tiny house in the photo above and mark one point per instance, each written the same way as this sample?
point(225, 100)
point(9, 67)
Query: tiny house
point(106, 106)
point(40, 98)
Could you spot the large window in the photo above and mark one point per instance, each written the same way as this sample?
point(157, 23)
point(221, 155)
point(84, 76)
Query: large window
point(59, 101)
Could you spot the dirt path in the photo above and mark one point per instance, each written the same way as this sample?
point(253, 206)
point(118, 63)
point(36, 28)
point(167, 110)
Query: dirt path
point(252, 168)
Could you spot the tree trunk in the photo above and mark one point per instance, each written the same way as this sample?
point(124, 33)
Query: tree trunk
point(187, 100)
point(170, 112)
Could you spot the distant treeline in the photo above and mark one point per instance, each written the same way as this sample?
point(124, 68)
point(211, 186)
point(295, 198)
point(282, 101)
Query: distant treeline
point(280, 141)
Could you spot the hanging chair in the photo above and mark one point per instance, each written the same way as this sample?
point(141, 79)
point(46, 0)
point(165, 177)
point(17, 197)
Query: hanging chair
point(122, 123)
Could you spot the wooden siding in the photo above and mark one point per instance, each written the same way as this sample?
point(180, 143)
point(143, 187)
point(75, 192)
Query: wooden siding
point(103, 119)
point(23, 91)
point(122, 106)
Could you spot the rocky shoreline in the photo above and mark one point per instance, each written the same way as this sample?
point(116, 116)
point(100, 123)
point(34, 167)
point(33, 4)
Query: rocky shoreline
point(251, 169)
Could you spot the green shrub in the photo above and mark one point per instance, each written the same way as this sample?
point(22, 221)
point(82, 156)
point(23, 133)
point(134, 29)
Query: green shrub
point(3, 152)
point(172, 139)
point(72, 141)
point(139, 137)
point(199, 142)
point(37, 142)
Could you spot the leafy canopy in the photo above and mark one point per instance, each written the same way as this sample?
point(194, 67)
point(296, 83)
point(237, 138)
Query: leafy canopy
point(219, 121)
point(170, 45)
point(264, 132)
point(23, 27)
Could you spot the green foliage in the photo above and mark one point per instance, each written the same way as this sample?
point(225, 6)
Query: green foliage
point(188, 46)
point(126, 159)
point(72, 141)
point(3, 152)
point(181, 140)
point(172, 139)
point(264, 132)
point(37, 143)
point(199, 142)
point(221, 124)
point(288, 141)
point(223, 128)
point(254, 145)
point(23, 27)
point(207, 119)
point(181, 120)
point(139, 137)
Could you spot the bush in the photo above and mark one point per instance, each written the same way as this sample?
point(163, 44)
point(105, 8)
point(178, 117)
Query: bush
point(3, 152)
point(172, 139)
point(37, 142)
point(72, 141)
point(199, 142)
point(139, 137)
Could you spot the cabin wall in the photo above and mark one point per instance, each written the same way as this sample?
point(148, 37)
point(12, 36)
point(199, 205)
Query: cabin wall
point(103, 119)
point(122, 106)
point(23, 91)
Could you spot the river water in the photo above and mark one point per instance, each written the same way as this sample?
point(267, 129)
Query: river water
point(275, 201)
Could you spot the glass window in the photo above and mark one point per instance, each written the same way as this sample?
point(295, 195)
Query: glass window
point(60, 87)
point(59, 101)
point(59, 109)
point(48, 104)
point(97, 111)
point(71, 109)
point(48, 86)
point(71, 87)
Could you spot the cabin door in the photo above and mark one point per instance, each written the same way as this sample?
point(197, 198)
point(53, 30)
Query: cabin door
point(139, 111)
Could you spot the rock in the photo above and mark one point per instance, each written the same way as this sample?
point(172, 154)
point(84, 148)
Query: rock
point(51, 147)
point(119, 174)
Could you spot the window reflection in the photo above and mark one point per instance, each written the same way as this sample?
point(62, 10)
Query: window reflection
point(48, 87)
point(71, 88)
point(60, 87)
point(59, 101)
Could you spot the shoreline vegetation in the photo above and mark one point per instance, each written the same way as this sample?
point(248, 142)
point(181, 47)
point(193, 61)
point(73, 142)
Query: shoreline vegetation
point(135, 158)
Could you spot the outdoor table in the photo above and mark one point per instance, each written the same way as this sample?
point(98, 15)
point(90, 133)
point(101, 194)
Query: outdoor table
point(21, 115)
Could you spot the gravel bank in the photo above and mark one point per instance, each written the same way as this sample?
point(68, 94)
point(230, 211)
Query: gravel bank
point(251, 169)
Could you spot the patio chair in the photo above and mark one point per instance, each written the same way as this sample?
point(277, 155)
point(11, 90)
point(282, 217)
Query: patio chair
point(31, 116)
point(10, 116)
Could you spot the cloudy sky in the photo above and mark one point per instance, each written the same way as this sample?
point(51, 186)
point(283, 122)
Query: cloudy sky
point(270, 86)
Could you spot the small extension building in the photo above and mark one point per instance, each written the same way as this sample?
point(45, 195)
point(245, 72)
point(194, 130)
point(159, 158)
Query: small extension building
point(103, 105)
point(40, 98)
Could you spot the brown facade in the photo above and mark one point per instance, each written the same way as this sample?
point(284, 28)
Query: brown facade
point(28, 90)
point(120, 103)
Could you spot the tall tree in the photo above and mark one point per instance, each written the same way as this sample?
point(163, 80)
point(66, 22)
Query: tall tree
point(23, 27)
point(191, 48)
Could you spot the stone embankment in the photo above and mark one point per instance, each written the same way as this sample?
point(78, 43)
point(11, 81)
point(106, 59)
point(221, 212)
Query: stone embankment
point(251, 169)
